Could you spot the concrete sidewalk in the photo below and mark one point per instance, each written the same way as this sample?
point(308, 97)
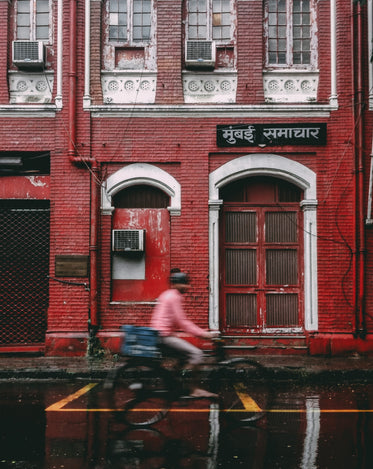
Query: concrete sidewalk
point(281, 368)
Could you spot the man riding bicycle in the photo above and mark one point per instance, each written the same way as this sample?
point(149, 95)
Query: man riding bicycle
point(169, 318)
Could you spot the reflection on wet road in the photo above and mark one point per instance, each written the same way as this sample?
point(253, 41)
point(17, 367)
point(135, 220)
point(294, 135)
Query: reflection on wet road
point(70, 425)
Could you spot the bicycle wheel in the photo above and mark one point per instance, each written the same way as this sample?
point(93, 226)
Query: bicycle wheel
point(244, 390)
point(141, 393)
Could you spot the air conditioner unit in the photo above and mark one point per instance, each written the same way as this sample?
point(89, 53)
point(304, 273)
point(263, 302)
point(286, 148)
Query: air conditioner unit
point(128, 240)
point(200, 54)
point(28, 54)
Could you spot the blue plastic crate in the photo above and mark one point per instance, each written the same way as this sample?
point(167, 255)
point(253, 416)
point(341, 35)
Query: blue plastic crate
point(140, 342)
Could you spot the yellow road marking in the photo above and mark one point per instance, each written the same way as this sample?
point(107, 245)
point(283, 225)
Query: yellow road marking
point(60, 404)
point(249, 405)
point(248, 402)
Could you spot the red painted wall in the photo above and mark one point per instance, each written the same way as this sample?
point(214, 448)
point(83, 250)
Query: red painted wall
point(186, 148)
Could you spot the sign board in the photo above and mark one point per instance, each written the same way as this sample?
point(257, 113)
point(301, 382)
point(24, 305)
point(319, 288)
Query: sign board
point(246, 135)
point(71, 266)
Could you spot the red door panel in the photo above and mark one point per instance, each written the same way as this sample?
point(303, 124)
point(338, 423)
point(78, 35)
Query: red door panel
point(156, 258)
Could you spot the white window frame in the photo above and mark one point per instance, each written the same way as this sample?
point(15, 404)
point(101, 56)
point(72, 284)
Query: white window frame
point(209, 23)
point(312, 66)
point(32, 26)
point(129, 40)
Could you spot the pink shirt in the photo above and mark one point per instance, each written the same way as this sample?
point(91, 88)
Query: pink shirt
point(168, 316)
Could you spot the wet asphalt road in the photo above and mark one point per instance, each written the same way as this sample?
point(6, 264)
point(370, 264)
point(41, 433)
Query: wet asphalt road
point(69, 425)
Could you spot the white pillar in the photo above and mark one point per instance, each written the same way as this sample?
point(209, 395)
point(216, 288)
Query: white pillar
point(58, 99)
point(333, 100)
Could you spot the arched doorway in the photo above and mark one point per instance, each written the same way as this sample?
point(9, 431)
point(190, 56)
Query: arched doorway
point(261, 254)
point(281, 169)
point(140, 198)
point(141, 275)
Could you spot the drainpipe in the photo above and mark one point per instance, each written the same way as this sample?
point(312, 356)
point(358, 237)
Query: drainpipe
point(77, 159)
point(359, 168)
point(93, 246)
point(72, 81)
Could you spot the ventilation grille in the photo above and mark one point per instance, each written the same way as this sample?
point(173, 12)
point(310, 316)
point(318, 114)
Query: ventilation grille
point(128, 240)
point(200, 53)
point(28, 53)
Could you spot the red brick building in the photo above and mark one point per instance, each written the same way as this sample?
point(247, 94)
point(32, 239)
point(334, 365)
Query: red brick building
point(228, 138)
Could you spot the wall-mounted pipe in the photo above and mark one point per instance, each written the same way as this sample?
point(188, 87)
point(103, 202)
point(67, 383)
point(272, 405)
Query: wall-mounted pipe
point(72, 80)
point(357, 35)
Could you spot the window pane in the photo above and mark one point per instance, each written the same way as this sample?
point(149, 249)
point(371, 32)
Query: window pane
point(281, 19)
point(296, 6)
point(193, 19)
point(297, 45)
point(42, 6)
point(23, 20)
point(23, 6)
point(282, 31)
point(137, 33)
point(122, 19)
point(23, 33)
point(297, 32)
point(282, 45)
point(297, 19)
point(42, 19)
point(42, 32)
point(306, 58)
point(297, 58)
point(272, 19)
point(192, 32)
point(113, 5)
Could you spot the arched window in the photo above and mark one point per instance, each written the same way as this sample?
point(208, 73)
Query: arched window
point(260, 189)
point(141, 196)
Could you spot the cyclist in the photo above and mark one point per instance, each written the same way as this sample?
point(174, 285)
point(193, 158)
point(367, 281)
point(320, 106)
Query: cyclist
point(169, 318)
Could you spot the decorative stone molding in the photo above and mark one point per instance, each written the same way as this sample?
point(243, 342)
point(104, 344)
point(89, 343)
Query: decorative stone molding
point(214, 87)
point(141, 173)
point(32, 87)
point(290, 86)
point(126, 87)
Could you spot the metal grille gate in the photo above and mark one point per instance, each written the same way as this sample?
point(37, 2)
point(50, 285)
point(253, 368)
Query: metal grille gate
point(24, 268)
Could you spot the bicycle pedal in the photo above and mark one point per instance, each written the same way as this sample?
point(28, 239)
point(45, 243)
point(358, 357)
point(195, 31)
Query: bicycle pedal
point(135, 386)
point(108, 385)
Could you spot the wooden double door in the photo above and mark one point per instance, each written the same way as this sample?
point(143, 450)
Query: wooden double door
point(261, 260)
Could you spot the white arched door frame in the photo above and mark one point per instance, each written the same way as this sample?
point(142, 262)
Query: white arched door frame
point(282, 168)
point(136, 174)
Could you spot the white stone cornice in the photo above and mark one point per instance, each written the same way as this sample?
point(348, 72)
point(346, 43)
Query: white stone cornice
point(195, 111)
point(33, 110)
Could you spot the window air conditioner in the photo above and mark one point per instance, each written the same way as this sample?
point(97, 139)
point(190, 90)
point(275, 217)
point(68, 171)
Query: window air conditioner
point(200, 54)
point(128, 240)
point(28, 54)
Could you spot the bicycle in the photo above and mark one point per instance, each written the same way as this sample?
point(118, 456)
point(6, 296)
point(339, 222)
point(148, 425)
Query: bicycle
point(143, 389)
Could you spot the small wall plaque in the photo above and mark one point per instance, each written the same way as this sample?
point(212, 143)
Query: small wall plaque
point(71, 266)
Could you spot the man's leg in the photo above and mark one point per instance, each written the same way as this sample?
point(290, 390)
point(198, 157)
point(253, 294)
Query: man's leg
point(194, 359)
